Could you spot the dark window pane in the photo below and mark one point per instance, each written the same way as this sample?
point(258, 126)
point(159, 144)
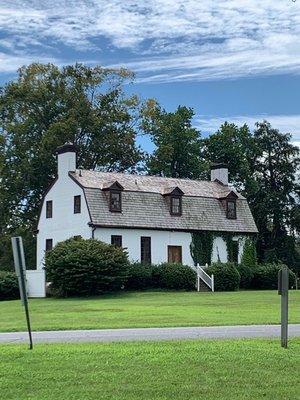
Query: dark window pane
point(146, 250)
point(77, 204)
point(116, 240)
point(231, 209)
point(49, 209)
point(49, 244)
point(115, 201)
point(176, 205)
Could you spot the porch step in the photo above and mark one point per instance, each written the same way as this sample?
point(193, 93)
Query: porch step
point(203, 287)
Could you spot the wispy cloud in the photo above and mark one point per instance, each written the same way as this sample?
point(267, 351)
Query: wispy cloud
point(168, 40)
point(285, 123)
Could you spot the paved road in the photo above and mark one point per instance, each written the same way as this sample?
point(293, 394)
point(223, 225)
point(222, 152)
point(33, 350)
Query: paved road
point(139, 334)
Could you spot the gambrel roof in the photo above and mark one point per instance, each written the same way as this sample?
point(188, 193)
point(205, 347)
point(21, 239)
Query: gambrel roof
point(144, 203)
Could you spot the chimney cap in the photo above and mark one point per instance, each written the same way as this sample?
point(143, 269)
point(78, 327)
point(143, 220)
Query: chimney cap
point(218, 165)
point(68, 147)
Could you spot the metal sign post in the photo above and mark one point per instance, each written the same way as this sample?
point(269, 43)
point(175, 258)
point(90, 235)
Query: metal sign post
point(283, 290)
point(20, 268)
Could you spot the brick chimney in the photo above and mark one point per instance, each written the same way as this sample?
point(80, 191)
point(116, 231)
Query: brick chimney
point(66, 159)
point(219, 172)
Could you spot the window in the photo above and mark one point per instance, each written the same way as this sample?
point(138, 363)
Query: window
point(115, 201)
point(77, 204)
point(116, 240)
point(176, 205)
point(231, 209)
point(49, 209)
point(146, 250)
point(49, 244)
point(174, 254)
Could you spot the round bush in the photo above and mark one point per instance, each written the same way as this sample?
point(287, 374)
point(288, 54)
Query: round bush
point(174, 276)
point(139, 277)
point(79, 267)
point(246, 274)
point(226, 276)
point(9, 288)
point(266, 276)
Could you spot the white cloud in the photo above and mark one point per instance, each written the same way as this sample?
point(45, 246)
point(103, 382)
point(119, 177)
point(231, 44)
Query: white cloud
point(285, 123)
point(182, 40)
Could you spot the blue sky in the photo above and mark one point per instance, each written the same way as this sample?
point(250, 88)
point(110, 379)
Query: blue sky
point(228, 59)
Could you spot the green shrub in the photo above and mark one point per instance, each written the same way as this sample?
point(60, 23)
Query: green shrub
point(139, 277)
point(174, 276)
point(226, 276)
point(246, 274)
point(79, 267)
point(265, 276)
point(9, 288)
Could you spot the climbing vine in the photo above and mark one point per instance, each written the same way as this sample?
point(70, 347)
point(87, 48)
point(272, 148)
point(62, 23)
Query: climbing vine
point(201, 247)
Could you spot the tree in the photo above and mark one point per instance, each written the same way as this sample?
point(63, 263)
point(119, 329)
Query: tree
point(178, 152)
point(277, 162)
point(263, 165)
point(46, 107)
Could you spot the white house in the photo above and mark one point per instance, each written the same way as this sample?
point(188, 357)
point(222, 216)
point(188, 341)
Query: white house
point(154, 218)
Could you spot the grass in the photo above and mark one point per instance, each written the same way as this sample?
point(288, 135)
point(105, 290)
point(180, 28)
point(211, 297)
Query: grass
point(150, 309)
point(225, 369)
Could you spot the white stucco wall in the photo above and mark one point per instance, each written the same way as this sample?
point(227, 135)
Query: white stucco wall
point(64, 223)
point(160, 240)
point(219, 252)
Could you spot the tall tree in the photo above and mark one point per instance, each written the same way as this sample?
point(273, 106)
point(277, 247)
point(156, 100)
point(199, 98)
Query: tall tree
point(264, 167)
point(178, 152)
point(47, 106)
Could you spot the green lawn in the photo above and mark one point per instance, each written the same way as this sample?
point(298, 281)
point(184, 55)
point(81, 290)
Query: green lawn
point(223, 369)
point(149, 309)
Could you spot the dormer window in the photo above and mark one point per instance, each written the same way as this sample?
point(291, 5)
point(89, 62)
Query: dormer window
point(114, 195)
point(115, 201)
point(173, 197)
point(176, 205)
point(231, 209)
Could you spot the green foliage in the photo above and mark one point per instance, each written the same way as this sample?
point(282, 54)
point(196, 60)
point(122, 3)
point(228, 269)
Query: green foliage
point(201, 247)
point(47, 106)
point(263, 166)
point(265, 276)
point(9, 288)
point(6, 255)
point(249, 256)
point(174, 276)
point(139, 277)
point(178, 152)
point(226, 276)
point(78, 267)
point(246, 274)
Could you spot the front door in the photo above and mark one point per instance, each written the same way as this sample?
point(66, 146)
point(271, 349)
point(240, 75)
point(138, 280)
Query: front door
point(174, 254)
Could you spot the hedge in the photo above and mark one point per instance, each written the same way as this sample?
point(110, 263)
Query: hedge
point(79, 267)
point(139, 277)
point(9, 288)
point(226, 276)
point(265, 276)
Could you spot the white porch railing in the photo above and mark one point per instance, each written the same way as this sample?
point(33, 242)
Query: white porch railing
point(202, 275)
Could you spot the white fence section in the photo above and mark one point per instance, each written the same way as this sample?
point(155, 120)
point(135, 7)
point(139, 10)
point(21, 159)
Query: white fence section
point(208, 280)
point(36, 283)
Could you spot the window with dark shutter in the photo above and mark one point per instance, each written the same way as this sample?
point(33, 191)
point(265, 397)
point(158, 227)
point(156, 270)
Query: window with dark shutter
point(231, 209)
point(49, 244)
point(77, 204)
point(116, 240)
point(176, 206)
point(115, 201)
point(49, 209)
point(146, 250)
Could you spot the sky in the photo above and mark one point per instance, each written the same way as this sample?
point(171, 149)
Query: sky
point(234, 60)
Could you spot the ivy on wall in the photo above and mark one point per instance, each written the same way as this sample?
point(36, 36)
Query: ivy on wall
point(201, 247)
